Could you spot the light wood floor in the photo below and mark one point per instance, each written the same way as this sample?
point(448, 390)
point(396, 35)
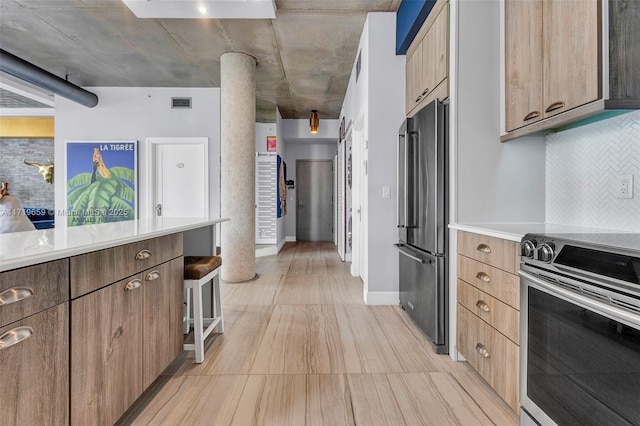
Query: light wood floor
point(301, 347)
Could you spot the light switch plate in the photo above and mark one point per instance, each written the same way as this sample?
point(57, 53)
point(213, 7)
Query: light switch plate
point(386, 192)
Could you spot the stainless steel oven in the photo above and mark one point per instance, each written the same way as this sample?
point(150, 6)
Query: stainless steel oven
point(580, 329)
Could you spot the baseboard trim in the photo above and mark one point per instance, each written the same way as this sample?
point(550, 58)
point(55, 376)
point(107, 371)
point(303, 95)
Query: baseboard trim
point(290, 239)
point(266, 251)
point(281, 244)
point(382, 298)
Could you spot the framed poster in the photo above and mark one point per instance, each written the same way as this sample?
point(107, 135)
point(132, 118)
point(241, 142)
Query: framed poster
point(271, 144)
point(101, 182)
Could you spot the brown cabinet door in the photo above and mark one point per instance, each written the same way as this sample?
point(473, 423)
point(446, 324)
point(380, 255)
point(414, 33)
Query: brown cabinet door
point(163, 306)
point(106, 352)
point(35, 369)
point(523, 63)
point(414, 81)
point(571, 58)
point(435, 52)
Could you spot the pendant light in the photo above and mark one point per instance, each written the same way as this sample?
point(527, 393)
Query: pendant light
point(314, 121)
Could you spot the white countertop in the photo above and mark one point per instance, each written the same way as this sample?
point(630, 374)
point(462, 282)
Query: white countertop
point(515, 231)
point(21, 249)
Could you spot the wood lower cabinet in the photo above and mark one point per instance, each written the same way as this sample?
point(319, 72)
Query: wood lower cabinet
point(488, 311)
point(162, 334)
point(34, 373)
point(106, 352)
point(123, 336)
point(491, 354)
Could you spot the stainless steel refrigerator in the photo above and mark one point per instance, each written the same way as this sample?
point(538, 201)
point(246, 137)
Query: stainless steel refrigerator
point(422, 221)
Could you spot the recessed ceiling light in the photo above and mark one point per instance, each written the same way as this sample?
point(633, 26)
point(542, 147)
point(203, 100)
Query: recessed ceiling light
point(202, 10)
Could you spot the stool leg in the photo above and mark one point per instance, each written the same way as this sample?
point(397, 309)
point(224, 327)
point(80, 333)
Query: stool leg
point(187, 310)
point(218, 303)
point(198, 323)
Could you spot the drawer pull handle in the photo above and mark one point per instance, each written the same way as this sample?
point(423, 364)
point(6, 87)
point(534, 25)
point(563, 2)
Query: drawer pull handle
point(554, 106)
point(483, 248)
point(143, 254)
point(153, 275)
point(425, 91)
point(132, 285)
point(15, 294)
point(15, 336)
point(418, 98)
point(483, 306)
point(482, 350)
point(483, 276)
point(531, 115)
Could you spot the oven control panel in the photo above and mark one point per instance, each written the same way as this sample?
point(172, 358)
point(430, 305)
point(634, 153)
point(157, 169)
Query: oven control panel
point(533, 249)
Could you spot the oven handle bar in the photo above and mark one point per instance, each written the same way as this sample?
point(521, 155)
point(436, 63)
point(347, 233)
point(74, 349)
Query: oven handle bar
point(586, 302)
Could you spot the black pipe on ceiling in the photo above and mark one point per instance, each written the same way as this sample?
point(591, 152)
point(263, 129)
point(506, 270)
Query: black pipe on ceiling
point(26, 71)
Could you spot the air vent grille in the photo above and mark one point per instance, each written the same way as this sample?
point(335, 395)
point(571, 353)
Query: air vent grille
point(181, 103)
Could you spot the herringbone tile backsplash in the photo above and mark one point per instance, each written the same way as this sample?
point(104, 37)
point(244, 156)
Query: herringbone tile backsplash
point(582, 166)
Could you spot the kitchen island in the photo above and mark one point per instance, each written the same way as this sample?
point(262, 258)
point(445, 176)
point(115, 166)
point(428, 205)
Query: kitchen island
point(90, 316)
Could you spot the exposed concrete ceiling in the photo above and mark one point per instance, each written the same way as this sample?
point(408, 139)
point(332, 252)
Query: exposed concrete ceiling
point(304, 56)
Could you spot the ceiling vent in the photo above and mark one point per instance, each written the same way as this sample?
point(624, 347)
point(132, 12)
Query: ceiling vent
point(181, 103)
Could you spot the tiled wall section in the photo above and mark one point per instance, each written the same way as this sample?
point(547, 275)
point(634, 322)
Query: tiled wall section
point(582, 166)
point(24, 181)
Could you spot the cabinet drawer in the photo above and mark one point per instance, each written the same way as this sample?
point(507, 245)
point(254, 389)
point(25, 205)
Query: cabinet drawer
point(493, 251)
point(27, 291)
point(35, 370)
point(491, 354)
point(94, 270)
point(497, 314)
point(493, 281)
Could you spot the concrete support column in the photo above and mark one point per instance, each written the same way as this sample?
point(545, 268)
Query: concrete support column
point(237, 192)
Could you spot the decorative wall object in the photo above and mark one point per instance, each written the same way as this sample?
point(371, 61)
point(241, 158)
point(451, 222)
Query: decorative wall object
point(101, 182)
point(271, 144)
point(582, 167)
point(46, 170)
point(25, 182)
point(282, 188)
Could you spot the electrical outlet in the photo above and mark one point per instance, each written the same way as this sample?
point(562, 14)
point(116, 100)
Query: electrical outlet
point(624, 186)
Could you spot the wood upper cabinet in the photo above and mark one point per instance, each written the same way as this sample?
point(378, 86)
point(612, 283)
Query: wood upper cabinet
point(571, 59)
point(414, 79)
point(552, 61)
point(523, 62)
point(427, 66)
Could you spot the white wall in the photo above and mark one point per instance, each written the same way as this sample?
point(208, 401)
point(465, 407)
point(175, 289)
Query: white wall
point(375, 105)
point(582, 167)
point(262, 131)
point(136, 114)
point(496, 182)
point(386, 106)
point(301, 151)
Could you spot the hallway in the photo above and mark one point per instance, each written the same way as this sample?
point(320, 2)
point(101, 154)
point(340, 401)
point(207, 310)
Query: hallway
point(301, 347)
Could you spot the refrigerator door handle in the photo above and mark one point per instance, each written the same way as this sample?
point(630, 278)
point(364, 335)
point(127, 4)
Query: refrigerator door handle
point(410, 256)
point(402, 181)
point(410, 179)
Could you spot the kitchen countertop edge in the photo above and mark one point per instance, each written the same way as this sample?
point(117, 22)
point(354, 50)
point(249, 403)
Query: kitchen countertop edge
point(142, 230)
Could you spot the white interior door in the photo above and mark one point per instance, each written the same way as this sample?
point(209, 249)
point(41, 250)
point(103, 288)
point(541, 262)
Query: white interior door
point(180, 171)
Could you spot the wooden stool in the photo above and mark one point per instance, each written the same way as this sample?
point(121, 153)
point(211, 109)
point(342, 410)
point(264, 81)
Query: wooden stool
point(199, 270)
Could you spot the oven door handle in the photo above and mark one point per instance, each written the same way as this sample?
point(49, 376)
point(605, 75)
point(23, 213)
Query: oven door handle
point(583, 301)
